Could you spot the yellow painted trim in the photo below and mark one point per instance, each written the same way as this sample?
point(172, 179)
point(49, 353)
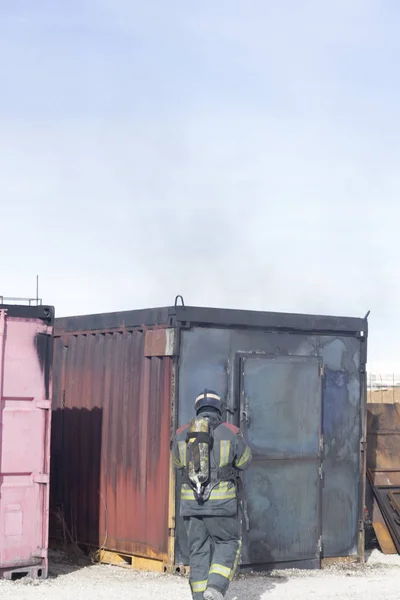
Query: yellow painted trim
point(171, 515)
point(134, 562)
point(338, 560)
point(146, 564)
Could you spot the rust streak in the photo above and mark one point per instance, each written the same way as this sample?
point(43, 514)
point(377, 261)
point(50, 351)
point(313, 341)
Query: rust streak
point(112, 409)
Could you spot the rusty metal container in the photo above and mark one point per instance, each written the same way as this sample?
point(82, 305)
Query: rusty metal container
point(25, 416)
point(111, 434)
point(295, 384)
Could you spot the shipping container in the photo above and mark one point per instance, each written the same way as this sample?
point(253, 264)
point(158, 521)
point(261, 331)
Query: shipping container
point(383, 473)
point(25, 417)
point(294, 384)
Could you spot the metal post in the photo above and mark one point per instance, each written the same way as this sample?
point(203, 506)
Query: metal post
point(3, 315)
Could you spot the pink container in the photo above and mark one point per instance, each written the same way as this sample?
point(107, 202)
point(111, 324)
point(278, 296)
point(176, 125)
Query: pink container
point(25, 415)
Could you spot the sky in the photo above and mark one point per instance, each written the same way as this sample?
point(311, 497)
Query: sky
point(244, 154)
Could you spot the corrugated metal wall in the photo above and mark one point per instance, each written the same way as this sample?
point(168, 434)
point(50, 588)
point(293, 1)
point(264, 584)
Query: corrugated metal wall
point(110, 442)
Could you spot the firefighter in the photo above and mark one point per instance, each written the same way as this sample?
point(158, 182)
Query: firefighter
point(210, 454)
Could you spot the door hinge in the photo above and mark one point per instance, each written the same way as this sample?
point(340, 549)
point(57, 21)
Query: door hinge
point(40, 553)
point(44, 404)
point(41, 478)
point(320, 544)
point(244, 413)
point(321, 472)
point(45, 330)
point(321, 443)
point(321, 370)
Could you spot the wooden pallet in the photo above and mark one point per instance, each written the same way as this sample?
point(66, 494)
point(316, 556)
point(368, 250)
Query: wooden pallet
point(130, 561)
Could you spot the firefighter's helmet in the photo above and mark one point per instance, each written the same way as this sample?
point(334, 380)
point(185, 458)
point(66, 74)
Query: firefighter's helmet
point(208, 399)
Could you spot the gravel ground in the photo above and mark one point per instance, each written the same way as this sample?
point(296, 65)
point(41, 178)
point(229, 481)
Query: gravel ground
point(380, 578)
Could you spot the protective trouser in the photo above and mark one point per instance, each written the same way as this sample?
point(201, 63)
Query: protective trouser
point(214, 550)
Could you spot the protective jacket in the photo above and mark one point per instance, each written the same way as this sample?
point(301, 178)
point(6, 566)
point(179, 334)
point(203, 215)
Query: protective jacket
point(228, 450)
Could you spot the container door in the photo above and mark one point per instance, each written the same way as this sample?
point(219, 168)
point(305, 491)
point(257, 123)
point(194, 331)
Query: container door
point(281, 421)
point(24, 441)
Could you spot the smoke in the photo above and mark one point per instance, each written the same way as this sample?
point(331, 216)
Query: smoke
point(245, 156)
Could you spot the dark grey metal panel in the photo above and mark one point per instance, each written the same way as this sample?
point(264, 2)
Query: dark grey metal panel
point(196, 372)
point(207, 359)
point(113, 320)
point(44, 313)
point(342, 434)
point(281, 421)
point(282, 504)
point(269, 320)
point(216, 317)
point(282, 398)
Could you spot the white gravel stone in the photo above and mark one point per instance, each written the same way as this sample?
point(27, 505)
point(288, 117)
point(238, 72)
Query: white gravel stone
point(379, 579)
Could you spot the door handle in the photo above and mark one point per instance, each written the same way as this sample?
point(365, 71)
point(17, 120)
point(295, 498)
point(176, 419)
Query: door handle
point(246, 417)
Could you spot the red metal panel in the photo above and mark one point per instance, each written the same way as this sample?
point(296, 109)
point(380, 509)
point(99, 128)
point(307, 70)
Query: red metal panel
point(111, 436)
point(383, 468)
point(25, 346)
point(383, 447)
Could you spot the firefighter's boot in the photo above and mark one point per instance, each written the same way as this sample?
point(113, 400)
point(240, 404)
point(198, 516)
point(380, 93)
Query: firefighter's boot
point(213, 594)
